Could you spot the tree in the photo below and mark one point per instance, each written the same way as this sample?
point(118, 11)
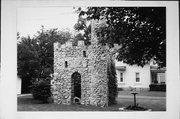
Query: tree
point(36, 56)
point(83, 25)
point(112, 81)
point(140, 32)
point(77, 38)
point(27, 63)
point(45, 40)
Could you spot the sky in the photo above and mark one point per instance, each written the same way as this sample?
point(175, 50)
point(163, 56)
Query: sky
point(30, 19)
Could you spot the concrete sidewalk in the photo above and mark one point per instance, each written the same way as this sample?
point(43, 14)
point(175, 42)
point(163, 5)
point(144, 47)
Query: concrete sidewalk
point(141, 97)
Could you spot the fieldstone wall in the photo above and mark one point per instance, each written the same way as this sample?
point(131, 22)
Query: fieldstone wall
point(92, 67)
point(62, 82)
point(98, 68)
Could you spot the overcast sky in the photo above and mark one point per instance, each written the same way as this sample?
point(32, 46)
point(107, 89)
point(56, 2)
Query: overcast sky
point(30, 19)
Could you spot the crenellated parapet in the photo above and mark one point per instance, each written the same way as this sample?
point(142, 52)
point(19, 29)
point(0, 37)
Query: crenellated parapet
point(68, 44)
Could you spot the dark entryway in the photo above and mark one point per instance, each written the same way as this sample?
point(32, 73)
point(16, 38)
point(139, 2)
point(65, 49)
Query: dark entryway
point(76, 86)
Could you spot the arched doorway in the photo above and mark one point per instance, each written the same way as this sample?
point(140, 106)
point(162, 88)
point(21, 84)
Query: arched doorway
point(76, 87)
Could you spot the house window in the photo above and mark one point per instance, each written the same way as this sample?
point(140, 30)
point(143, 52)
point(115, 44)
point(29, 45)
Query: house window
point(121, 77)
point(84, 53)
point(66, 64)
point(137, 77)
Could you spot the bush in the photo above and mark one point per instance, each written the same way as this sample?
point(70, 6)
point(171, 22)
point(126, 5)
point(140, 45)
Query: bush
point(157, 87)
point(112, 82)
point(41, 90)
point(120, 89)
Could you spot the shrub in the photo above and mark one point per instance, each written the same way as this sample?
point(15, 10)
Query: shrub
point(157, 87)
point(112, 82)
point(41, 90)
point(120, 89)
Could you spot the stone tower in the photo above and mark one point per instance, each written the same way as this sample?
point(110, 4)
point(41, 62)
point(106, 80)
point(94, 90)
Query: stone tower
point(80, 72)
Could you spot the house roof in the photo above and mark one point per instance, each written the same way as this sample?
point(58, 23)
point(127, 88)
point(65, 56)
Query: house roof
point(121, 68)
point(157, 70)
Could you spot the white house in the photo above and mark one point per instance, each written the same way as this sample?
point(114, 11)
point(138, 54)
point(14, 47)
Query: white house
point(18, 85)
point(129, 77)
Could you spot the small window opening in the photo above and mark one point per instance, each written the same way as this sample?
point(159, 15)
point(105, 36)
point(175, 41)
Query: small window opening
point(66, 64)
point(84, 53)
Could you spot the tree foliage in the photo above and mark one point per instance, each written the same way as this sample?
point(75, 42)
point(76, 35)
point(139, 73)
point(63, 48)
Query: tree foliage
point(112, 82)
point(41, 90)
point(78, 37)
point(140, 32)
point(83, 25)
point(36, 56)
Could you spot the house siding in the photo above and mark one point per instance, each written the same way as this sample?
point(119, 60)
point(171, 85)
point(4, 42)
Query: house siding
point(19, 82)
point(129, 76)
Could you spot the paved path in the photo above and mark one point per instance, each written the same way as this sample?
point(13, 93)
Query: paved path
point(141, 97)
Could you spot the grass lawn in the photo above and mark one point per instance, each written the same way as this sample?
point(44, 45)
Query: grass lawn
point(27, 103)
point(154, 104)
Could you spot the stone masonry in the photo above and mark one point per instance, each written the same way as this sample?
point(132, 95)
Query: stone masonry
point(90, 63)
